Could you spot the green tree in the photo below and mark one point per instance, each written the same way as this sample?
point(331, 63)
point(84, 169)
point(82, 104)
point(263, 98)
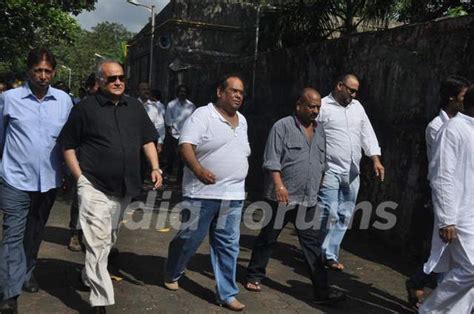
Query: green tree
point(26, 24)
point(414, 11)
point(105, 39)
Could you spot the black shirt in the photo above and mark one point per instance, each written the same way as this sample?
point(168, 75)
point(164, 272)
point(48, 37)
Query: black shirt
point(110, 138)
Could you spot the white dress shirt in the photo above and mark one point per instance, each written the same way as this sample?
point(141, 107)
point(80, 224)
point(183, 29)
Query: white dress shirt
point(348, 131)
point(452, 182)
point(221, 149)
point(156, 112)
point(432, 130)
point(176, 114)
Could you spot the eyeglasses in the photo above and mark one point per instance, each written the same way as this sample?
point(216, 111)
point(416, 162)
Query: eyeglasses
point(113, 78)
point(351, 90)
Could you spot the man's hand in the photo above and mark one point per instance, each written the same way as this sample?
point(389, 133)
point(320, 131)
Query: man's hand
point(378, 168)
point(205, 176)
point(159, 148)
point(448, 233)
point(281, 194)
point(156, 178)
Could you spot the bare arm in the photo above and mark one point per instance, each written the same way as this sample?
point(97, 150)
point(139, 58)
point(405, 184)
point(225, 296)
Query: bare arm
point(280, 190)
point(72, 163)
point(150, 152)
point(189, 157)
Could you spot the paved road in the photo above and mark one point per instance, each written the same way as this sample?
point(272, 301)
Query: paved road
point(373, 279)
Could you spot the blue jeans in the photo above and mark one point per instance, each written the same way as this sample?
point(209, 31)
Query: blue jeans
point(221, 218)
point(337, 198)
point(15, 205)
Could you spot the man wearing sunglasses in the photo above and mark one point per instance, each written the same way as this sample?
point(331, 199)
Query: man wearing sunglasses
point(31, 117)
point(110, 130)
point(348, 132)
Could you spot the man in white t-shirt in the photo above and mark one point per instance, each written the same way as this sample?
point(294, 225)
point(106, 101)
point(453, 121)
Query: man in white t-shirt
point(214, 147)
point(177, 111)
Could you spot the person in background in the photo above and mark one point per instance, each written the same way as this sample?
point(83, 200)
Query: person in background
point(452, 92)
point(452, 247)
point(177, 111)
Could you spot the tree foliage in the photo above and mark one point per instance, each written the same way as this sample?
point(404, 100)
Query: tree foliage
point(26, 24)
point(105, 39)
point(413, 11)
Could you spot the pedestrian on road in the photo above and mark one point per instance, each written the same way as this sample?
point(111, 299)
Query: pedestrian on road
point(452, 93)
point(215, 148)
point(177, 112)
point(451, 179)
point(110, 130)
point(294, 163)
point(348, 132)
point(31, 117)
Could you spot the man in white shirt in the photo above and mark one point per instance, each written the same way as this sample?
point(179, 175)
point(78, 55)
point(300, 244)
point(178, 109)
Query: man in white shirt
point(214, 146)
point(452, 179)
point(155, 110)
point(348, 132)
point(177, 111)
point(452, 92)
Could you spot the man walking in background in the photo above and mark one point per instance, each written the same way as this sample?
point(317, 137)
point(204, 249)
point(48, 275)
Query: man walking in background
point(177, 111)
point(452, 248)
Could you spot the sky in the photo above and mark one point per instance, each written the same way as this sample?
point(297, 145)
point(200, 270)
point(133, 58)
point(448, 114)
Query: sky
point(119, 11)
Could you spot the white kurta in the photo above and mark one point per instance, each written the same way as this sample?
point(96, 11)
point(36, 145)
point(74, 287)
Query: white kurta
point(452, 183)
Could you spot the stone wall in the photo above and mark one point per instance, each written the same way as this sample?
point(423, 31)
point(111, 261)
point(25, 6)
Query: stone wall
point(400, 71)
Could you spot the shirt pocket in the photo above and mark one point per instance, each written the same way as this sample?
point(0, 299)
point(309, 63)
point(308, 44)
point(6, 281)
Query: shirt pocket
point(294, 148)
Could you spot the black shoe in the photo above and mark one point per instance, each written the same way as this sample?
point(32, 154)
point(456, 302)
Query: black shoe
point(98, 310)
point(31, 285)
point(328, 296)
point(9, 306)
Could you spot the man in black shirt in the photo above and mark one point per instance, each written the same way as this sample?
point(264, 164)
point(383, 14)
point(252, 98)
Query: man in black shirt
point(110, 129)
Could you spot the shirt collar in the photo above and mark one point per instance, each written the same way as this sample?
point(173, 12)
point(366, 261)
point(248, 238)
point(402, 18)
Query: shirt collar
point(215, 114)
point(27, 92)
point(105, 101)
point(333, 101)
point(466, 118)
point(299, 124)
point(443, 116)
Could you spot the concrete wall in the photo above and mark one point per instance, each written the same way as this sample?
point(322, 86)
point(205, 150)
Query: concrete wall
point(400, 71)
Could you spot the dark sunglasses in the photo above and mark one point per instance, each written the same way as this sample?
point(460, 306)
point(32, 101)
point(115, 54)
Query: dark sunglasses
point(113, 78)
point(351, 90)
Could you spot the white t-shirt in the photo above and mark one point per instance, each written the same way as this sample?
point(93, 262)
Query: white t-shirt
point(220, 149)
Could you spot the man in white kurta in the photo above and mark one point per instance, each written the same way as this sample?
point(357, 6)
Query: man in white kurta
point(452, 178)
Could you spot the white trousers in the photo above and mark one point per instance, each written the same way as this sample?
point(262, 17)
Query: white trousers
point(455, 294)
point(100, 216)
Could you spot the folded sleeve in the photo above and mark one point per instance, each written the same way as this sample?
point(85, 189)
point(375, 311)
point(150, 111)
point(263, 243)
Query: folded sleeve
point(273, 149)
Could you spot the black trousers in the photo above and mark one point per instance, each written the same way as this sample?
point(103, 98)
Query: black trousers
point(309, 242)
point(38, 214)
point(172, 156)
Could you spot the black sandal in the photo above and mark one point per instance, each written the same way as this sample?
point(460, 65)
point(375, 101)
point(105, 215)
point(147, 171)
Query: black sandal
point(256, 284)
point(334, 265)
